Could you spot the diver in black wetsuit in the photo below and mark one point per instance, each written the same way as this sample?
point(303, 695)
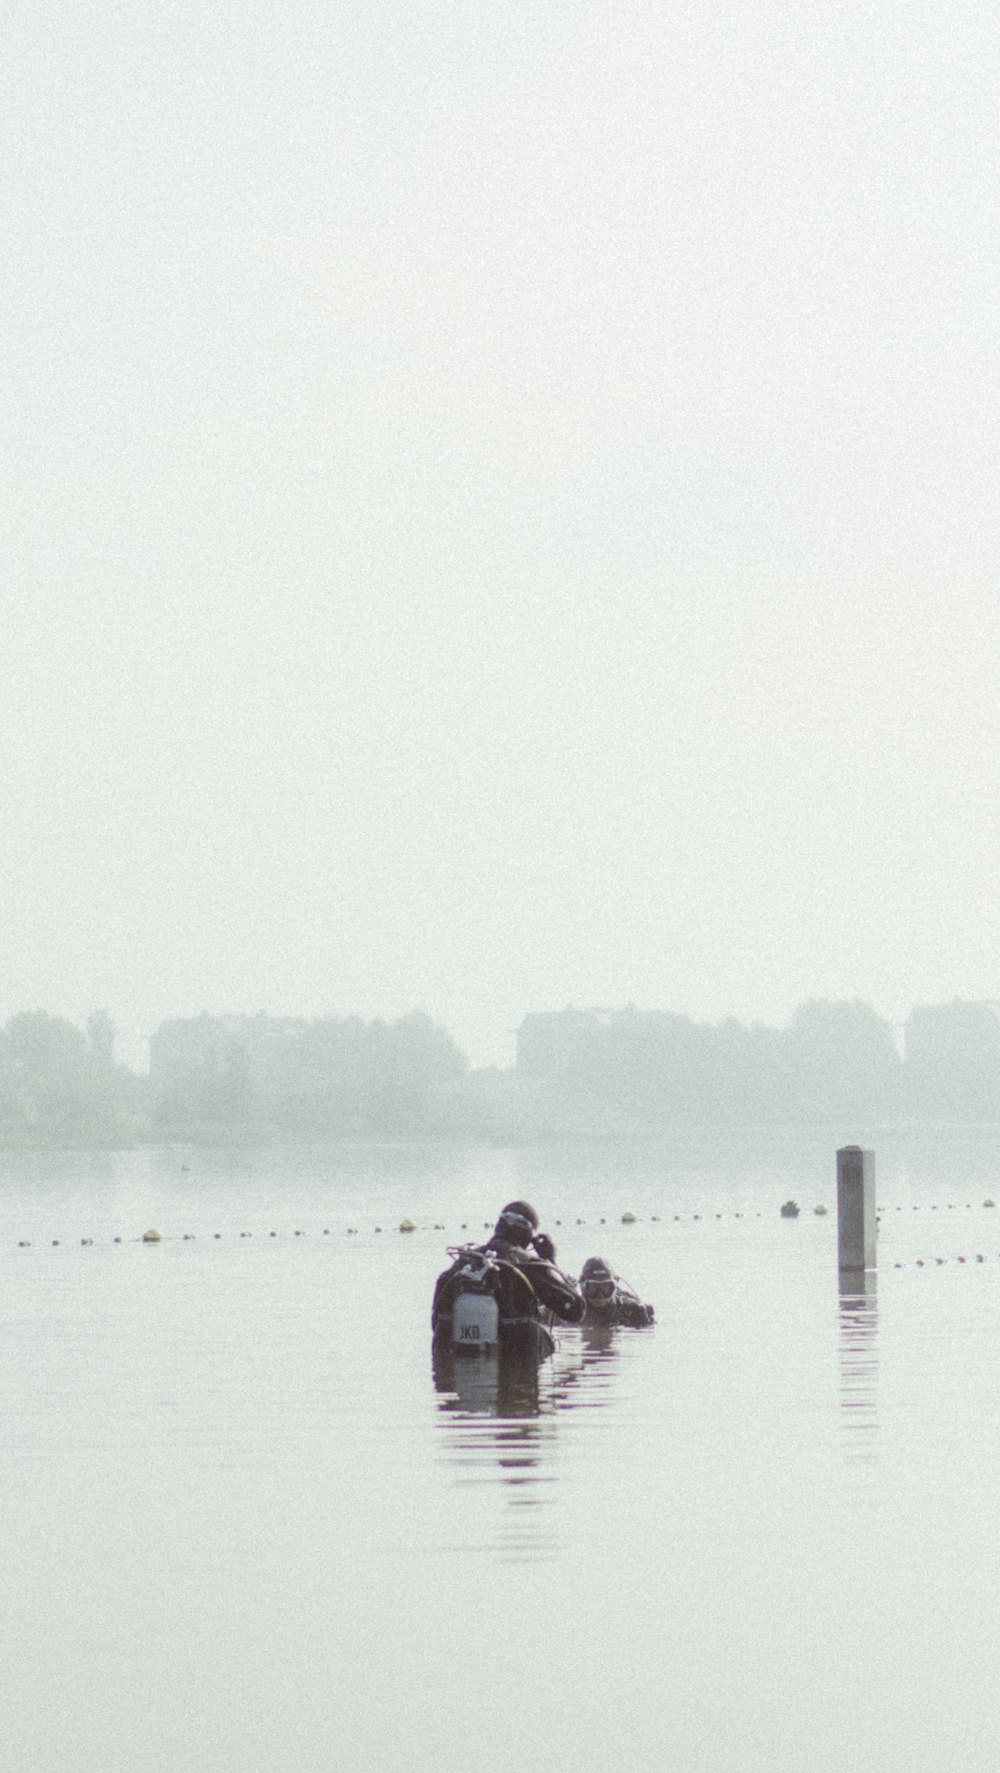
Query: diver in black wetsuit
point(518, 1264)
point(608, 1300)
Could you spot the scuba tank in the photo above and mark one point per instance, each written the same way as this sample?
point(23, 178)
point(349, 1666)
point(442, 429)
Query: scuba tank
point(475, 1322)
point(475, 1309)
point(486, 1305)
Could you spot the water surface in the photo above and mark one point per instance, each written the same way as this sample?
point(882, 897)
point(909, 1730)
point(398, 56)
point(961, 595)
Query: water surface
point(244, 1529)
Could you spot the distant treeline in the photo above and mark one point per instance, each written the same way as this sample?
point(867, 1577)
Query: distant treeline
point(59, 1086)
point(293, 1079)
point(836, 1062)
point(578, 1072)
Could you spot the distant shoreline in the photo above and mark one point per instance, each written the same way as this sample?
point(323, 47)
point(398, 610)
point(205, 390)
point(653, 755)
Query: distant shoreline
point(240, 1137)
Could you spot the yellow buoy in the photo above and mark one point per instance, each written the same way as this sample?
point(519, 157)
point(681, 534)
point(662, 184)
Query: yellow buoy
point(407, 1225)
point(628, 1218)
point(151, 1237)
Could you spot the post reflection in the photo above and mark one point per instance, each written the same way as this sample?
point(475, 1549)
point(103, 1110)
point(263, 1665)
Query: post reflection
point(859, 1364)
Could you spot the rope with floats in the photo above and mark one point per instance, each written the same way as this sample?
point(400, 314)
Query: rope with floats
point(410, 1227)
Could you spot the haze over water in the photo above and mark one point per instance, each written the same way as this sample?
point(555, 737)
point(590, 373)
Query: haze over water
point(245, 1530)
point(499, 509)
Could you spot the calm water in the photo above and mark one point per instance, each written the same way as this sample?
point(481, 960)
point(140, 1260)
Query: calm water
point(243, 1530)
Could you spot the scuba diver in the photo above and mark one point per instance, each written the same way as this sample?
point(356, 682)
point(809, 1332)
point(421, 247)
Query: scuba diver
point(501, 1295)
point(608, 1300)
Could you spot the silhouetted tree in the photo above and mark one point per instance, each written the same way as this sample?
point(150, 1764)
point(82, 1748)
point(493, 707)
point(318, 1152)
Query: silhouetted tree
point(843, 1063)
point(953, 1061)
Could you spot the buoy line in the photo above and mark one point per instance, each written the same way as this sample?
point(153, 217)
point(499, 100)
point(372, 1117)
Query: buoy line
point(406, 1226)
point(788, 1211)
point(943, 1261)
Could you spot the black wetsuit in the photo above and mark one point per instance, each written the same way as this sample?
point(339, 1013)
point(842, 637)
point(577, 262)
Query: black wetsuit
point(525, 1286)
point(624, 1308)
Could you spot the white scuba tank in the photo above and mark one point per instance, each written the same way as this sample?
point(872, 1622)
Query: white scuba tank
point(475, 1322)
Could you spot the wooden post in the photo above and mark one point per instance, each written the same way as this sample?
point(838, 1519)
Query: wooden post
point(858, 1290)
point(855, 1208)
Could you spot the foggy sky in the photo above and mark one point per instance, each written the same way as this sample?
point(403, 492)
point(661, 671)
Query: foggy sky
point(499, 508)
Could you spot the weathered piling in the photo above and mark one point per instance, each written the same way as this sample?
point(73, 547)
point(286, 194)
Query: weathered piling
point(857, 1289)
point(856, 1228)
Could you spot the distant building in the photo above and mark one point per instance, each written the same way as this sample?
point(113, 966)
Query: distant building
point(643, 1062)
point(192, 1045)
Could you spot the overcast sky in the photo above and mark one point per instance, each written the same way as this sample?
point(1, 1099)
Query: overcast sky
point(500, 508)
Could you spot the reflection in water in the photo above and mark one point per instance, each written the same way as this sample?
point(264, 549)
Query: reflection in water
point(859, 1364)
point(500, 1416)
point(586, 1382)
point(487, 1385)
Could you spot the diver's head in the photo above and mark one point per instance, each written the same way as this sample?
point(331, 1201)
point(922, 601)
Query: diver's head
point(597, 1284)
point(517, 1223)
